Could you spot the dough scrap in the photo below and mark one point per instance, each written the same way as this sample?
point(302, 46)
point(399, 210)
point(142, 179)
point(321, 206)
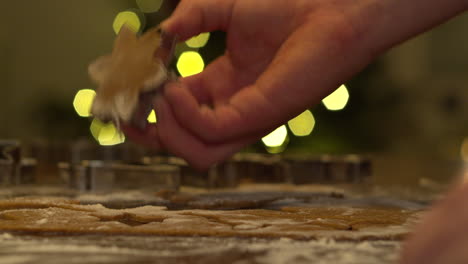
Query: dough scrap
point(63, 216)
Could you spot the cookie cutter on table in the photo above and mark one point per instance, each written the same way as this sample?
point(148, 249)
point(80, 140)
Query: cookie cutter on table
point(188, 176)
point(15, 170)
point(145, 105)
point(259, 168)
point(105, 177)
point(10, 155)
point(346, 169)
point(221, 175)
point(6, 171)
point(241, 168)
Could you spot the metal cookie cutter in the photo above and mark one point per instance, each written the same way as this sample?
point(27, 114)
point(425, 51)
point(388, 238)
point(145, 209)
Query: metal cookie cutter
point(14, 169)
point(165, 54)
point(221, 175)
point(10, 156)
point(326, 169)
point(259, 168)
point(105, 177)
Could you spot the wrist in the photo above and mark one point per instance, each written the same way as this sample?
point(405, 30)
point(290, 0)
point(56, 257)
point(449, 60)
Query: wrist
point(398, 20)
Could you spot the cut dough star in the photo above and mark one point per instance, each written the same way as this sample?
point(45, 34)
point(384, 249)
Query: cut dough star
point(130, 69)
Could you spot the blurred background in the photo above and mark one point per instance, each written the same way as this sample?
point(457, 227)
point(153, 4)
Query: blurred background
point(408, 109)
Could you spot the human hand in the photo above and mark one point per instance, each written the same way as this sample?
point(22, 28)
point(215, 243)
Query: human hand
point(282, 57)
point(442, 236)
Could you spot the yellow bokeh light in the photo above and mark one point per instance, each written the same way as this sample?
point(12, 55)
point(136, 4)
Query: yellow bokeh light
point(337, 100)
point(464, 150)
point(279, 149)
point(106, 134)
point(83, 101)
point(190, 63)
point(303, 124)
point(276, 138)
point(95, 128)
point(130, 19)
point(152, 117)
point(149, 6)
point(118, 138)
point(198, 41)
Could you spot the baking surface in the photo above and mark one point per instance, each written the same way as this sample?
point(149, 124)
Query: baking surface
point(129, 249)
point(61, 216)
point(319, 224)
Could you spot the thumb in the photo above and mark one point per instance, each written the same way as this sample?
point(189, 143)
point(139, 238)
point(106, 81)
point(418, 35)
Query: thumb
point(193, 17)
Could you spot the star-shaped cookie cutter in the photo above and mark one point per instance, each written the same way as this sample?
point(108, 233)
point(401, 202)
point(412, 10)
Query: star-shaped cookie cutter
point(165, 53)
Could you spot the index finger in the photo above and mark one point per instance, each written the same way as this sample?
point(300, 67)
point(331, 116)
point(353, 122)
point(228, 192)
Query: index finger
point(193, 17)
point(148, 136)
